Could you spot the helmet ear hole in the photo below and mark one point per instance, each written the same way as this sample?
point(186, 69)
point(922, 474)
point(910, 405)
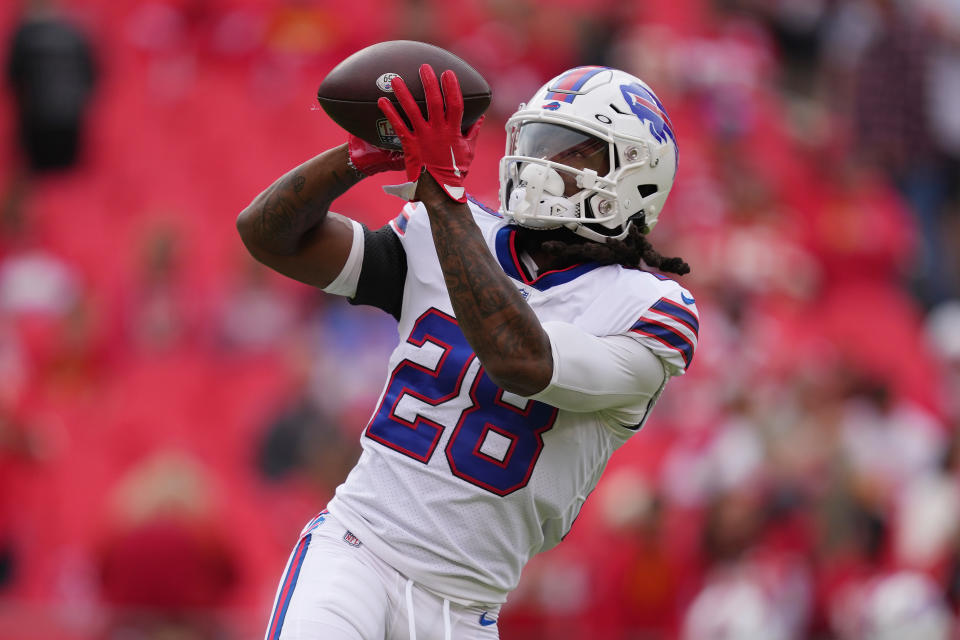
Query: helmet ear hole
point(647, 190)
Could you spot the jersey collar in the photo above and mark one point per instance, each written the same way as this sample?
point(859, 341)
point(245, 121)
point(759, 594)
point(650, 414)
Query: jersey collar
point(509, 259)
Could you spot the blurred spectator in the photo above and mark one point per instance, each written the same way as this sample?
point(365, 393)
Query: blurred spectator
point(304, 439)
point(752, 590)
point(943, 79)
point(887, 442)
point(856, 225)
point(162, 314)
point(51, 72)
point(950, 568)
point(18, 447)
point(166, 563)
point(892, 127)
point(942, 329)
point(361, 336)
point(727, 457)
point(894, 131)
point(942, 19)
point(48, 328)
point(928, 514)
point(642, 577)
point(756, 253)
point(894, 606)
point(256, 316)
point(37, 282)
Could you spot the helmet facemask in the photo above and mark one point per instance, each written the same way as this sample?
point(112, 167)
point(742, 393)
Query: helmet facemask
point(554, 173)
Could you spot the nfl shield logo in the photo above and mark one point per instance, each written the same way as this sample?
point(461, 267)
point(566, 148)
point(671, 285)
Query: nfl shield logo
point(351, 539)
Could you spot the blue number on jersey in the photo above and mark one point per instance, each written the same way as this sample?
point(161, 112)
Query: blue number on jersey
point(519, 426)
point(419, 438)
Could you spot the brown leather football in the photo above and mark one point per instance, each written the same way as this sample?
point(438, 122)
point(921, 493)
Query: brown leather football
point(349, 93)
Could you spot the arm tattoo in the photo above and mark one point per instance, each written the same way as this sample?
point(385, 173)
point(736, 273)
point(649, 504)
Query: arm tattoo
point(297, 202)
point(279, 215)
point(497, 322)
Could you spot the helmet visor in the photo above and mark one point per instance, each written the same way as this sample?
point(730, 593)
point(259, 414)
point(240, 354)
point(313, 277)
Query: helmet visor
point(563, 145)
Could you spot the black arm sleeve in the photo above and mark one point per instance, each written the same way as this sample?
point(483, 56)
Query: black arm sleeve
point(383, 272)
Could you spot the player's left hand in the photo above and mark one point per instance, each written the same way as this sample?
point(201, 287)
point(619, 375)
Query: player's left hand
point(436, 144)
point(368, 160)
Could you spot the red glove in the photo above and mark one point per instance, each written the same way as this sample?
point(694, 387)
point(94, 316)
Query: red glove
point(369, 159)
point(436, 144)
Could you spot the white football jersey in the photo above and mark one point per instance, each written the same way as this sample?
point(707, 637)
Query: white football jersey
point(460, 483)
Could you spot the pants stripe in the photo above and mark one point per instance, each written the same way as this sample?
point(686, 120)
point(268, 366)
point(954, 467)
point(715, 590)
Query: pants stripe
point(286, 590)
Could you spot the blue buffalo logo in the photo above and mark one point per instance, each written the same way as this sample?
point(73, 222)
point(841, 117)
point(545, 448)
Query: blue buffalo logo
point(551, 106)
point(646, 107)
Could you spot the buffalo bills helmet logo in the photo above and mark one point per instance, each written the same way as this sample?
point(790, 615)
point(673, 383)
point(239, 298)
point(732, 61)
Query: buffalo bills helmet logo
point(551, 106)
point(646, 107)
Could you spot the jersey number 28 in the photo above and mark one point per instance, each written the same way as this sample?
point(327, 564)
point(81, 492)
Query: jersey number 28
point(496, 438)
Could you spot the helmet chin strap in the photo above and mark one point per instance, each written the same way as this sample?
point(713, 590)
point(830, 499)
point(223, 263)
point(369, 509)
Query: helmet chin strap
point(540, 193)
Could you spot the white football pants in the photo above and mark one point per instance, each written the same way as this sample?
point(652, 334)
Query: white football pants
point(334, 588)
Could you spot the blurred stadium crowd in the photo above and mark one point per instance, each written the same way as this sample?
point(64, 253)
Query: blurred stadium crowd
point(171, 413)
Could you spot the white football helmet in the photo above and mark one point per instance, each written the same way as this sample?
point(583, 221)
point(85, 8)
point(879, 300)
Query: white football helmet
point(616, 133)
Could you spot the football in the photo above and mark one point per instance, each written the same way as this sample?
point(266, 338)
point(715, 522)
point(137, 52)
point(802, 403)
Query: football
point(349, 93)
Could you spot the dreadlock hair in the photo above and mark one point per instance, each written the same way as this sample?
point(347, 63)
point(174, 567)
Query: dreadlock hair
point(632, 252)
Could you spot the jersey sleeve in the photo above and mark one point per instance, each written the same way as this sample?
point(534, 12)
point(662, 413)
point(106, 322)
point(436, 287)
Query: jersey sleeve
point(670, 328)
point(614, 375)
point(384, 272)
point(345, 284)
point(375, 270)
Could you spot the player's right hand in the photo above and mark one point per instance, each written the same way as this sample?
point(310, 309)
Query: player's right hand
point(368, 159)
point(435, 144)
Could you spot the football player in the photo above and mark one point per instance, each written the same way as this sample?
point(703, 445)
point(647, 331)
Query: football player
point(532, 344)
